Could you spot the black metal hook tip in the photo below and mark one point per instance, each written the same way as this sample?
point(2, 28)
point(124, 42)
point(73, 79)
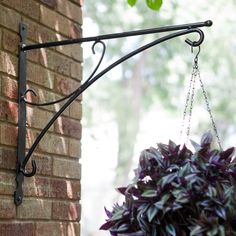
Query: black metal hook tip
point(33, 172)
point(31, 91)
point(199, 41)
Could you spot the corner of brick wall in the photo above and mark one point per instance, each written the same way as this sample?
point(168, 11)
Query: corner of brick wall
point(51, 205)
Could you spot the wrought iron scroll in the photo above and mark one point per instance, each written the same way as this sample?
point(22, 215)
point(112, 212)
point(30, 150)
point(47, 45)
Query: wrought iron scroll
point(23, 158)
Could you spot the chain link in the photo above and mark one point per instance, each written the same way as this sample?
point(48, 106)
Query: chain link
point(209, 109)
point(189, 103)
point(190, 100)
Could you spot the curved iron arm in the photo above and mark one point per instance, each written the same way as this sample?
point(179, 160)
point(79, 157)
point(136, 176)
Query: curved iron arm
point(84, 86)
point(71, 94)
point(22, 159)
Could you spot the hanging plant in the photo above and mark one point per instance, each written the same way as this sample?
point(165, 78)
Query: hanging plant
point(178, 192)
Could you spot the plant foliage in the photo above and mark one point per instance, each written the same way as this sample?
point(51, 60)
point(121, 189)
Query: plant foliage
point(177, 192)
point(152, 4)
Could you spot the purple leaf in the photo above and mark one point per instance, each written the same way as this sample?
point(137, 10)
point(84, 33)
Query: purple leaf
point(206, 139)
point(227, 153)
point(108, 213)
point(164, 149)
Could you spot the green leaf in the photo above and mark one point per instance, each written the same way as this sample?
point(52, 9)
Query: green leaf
point(151, 213)
point(170, 229)
point(168, 179)
point(154, 4)
point(213, 231)
point(211, 192)
point(196, 230)
point(160, 204)
point(222, 230)
point(149, 193)
point(220, 211)
point(184, 170)
point(132, 2)
point(117, 215)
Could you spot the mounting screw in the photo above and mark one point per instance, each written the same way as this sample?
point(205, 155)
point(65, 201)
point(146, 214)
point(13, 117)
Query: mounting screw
point(19, 199)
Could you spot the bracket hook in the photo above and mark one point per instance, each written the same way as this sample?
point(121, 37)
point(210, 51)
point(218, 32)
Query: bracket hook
point(32, 173)
point(28, 91)
point(198, 42)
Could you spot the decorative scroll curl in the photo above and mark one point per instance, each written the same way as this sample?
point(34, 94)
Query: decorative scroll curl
point(71, 94)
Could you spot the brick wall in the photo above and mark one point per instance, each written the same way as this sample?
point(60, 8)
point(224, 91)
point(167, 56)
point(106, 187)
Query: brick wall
point(51, 204)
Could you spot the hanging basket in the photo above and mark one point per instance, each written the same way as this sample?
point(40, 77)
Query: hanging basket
point(178, 192)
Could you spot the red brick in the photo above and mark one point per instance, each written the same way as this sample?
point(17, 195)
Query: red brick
point(76, 110)
point(9, 18)
point(9, 88)
point(76, 190)
point(68, 127)
point(32, 55)
point(59, 23)
point(8, 134)
point(54, 144)
point(8, 111)
point(8, 64)
point(51, 229)
point(75, 31)
point(0, 38)
point(37, 187)
point(55, 21)
point(65, 85)
point(47, 35)
point(77, 52)
point(55, 61)
point(66, 211)
point(76, 71)
point(10, 41)
point(14, 4)
point(38, 118)
point(30, 137)
point(74, 148)
point(29, 7)
point(70, 10)
point(34, 209)
point(66, 168)
point(7, 183)
point(65, 189)
point(65, 50)
point(50, 3)
point(79, 2)
point(7, 209)
point(73, 228)
point(17, 229)
point(39, 33)
point(40, 75)
point(59, 188)
point(7, 158)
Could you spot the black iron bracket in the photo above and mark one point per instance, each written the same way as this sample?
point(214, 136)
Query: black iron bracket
point(22, 157)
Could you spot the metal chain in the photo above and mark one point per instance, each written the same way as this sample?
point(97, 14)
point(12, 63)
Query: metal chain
point(190, 99)
point(209, 109)
point(189, 103)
